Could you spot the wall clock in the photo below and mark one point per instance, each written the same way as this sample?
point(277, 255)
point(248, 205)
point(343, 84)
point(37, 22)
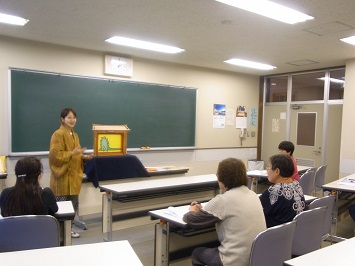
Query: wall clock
point(118, 66)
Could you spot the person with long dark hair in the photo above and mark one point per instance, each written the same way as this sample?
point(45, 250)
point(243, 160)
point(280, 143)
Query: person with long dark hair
point(27, 197)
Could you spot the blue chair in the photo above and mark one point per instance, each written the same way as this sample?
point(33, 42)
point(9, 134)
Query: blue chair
point(28, 232)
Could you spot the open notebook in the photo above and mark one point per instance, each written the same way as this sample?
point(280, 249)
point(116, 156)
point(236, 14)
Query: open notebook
point(180, 210)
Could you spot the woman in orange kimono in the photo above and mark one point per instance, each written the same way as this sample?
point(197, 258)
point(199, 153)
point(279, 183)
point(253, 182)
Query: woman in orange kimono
point(66, 161)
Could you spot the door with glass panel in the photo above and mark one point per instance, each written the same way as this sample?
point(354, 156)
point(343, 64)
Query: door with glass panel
point(307, 110)
point(307, 117)
point(316, 116)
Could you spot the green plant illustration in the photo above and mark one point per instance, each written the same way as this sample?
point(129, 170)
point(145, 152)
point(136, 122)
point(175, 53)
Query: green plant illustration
point(105, 145)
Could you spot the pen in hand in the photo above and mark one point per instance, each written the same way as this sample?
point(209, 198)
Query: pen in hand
point(195, 203)
point(195, 206)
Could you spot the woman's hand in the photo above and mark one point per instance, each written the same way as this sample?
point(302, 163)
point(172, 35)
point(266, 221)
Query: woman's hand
point(195, 206)
point(88, 157)
point(78, 150)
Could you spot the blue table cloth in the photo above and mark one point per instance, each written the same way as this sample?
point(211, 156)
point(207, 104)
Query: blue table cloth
point(114, 167)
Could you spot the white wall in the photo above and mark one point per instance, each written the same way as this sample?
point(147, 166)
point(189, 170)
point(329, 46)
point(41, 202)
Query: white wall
point(347, 150)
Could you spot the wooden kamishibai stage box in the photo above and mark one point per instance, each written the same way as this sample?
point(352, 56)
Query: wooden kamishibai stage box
point(110, 139)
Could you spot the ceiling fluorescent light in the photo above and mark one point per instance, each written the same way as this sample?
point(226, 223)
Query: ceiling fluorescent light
point(4, 18)
point(250, 64)
point(350, 40)
point(269, 9)
point(144, 45)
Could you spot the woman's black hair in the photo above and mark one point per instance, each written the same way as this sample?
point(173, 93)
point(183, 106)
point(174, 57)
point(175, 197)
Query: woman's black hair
point(25, 197)
point(287, 146)
point(66, 111)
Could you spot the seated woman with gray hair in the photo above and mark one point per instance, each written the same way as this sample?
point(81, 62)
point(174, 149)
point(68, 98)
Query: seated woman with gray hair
point(284, 199)
point(236, 213)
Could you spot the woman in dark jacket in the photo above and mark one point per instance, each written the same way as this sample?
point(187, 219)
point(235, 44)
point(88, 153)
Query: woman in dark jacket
point(27, 197)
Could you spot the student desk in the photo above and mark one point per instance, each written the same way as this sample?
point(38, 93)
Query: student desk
point(166, 190)
point(166, 170)
point(309, 198)
point(339, 187)
point(65, 215)
point(337, 254)
point(167, 245)
point(102, 168)
point(302, 169)
point(107, 253)
point(257, 175)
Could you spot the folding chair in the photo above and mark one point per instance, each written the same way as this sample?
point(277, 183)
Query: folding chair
point(28, 232)
point(273, 246)
point(308, 233)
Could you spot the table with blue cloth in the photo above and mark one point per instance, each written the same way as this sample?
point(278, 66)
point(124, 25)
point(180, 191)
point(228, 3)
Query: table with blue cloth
point(114, 167)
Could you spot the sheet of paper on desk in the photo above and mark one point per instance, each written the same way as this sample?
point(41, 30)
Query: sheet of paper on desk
point(177, 211)
point(160, 168)
point(348, 182)
point(180, 210)
point(257, 172)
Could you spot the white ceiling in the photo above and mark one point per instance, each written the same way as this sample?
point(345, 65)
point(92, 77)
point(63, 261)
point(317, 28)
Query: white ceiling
point(209, 31)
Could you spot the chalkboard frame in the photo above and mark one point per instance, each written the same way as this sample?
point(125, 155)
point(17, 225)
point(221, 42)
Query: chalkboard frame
point(175, 109)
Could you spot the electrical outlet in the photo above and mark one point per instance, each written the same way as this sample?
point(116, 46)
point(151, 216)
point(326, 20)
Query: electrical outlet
point(253, 134)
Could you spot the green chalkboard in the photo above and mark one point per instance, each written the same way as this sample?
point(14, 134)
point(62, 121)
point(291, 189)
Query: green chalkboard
point(158, 115)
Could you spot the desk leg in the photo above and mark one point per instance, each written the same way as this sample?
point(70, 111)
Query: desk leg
point(256, 181)
point(334, 228)
point(67, 233)
point(161, 244)
point(107, 215)
point(110, 217)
